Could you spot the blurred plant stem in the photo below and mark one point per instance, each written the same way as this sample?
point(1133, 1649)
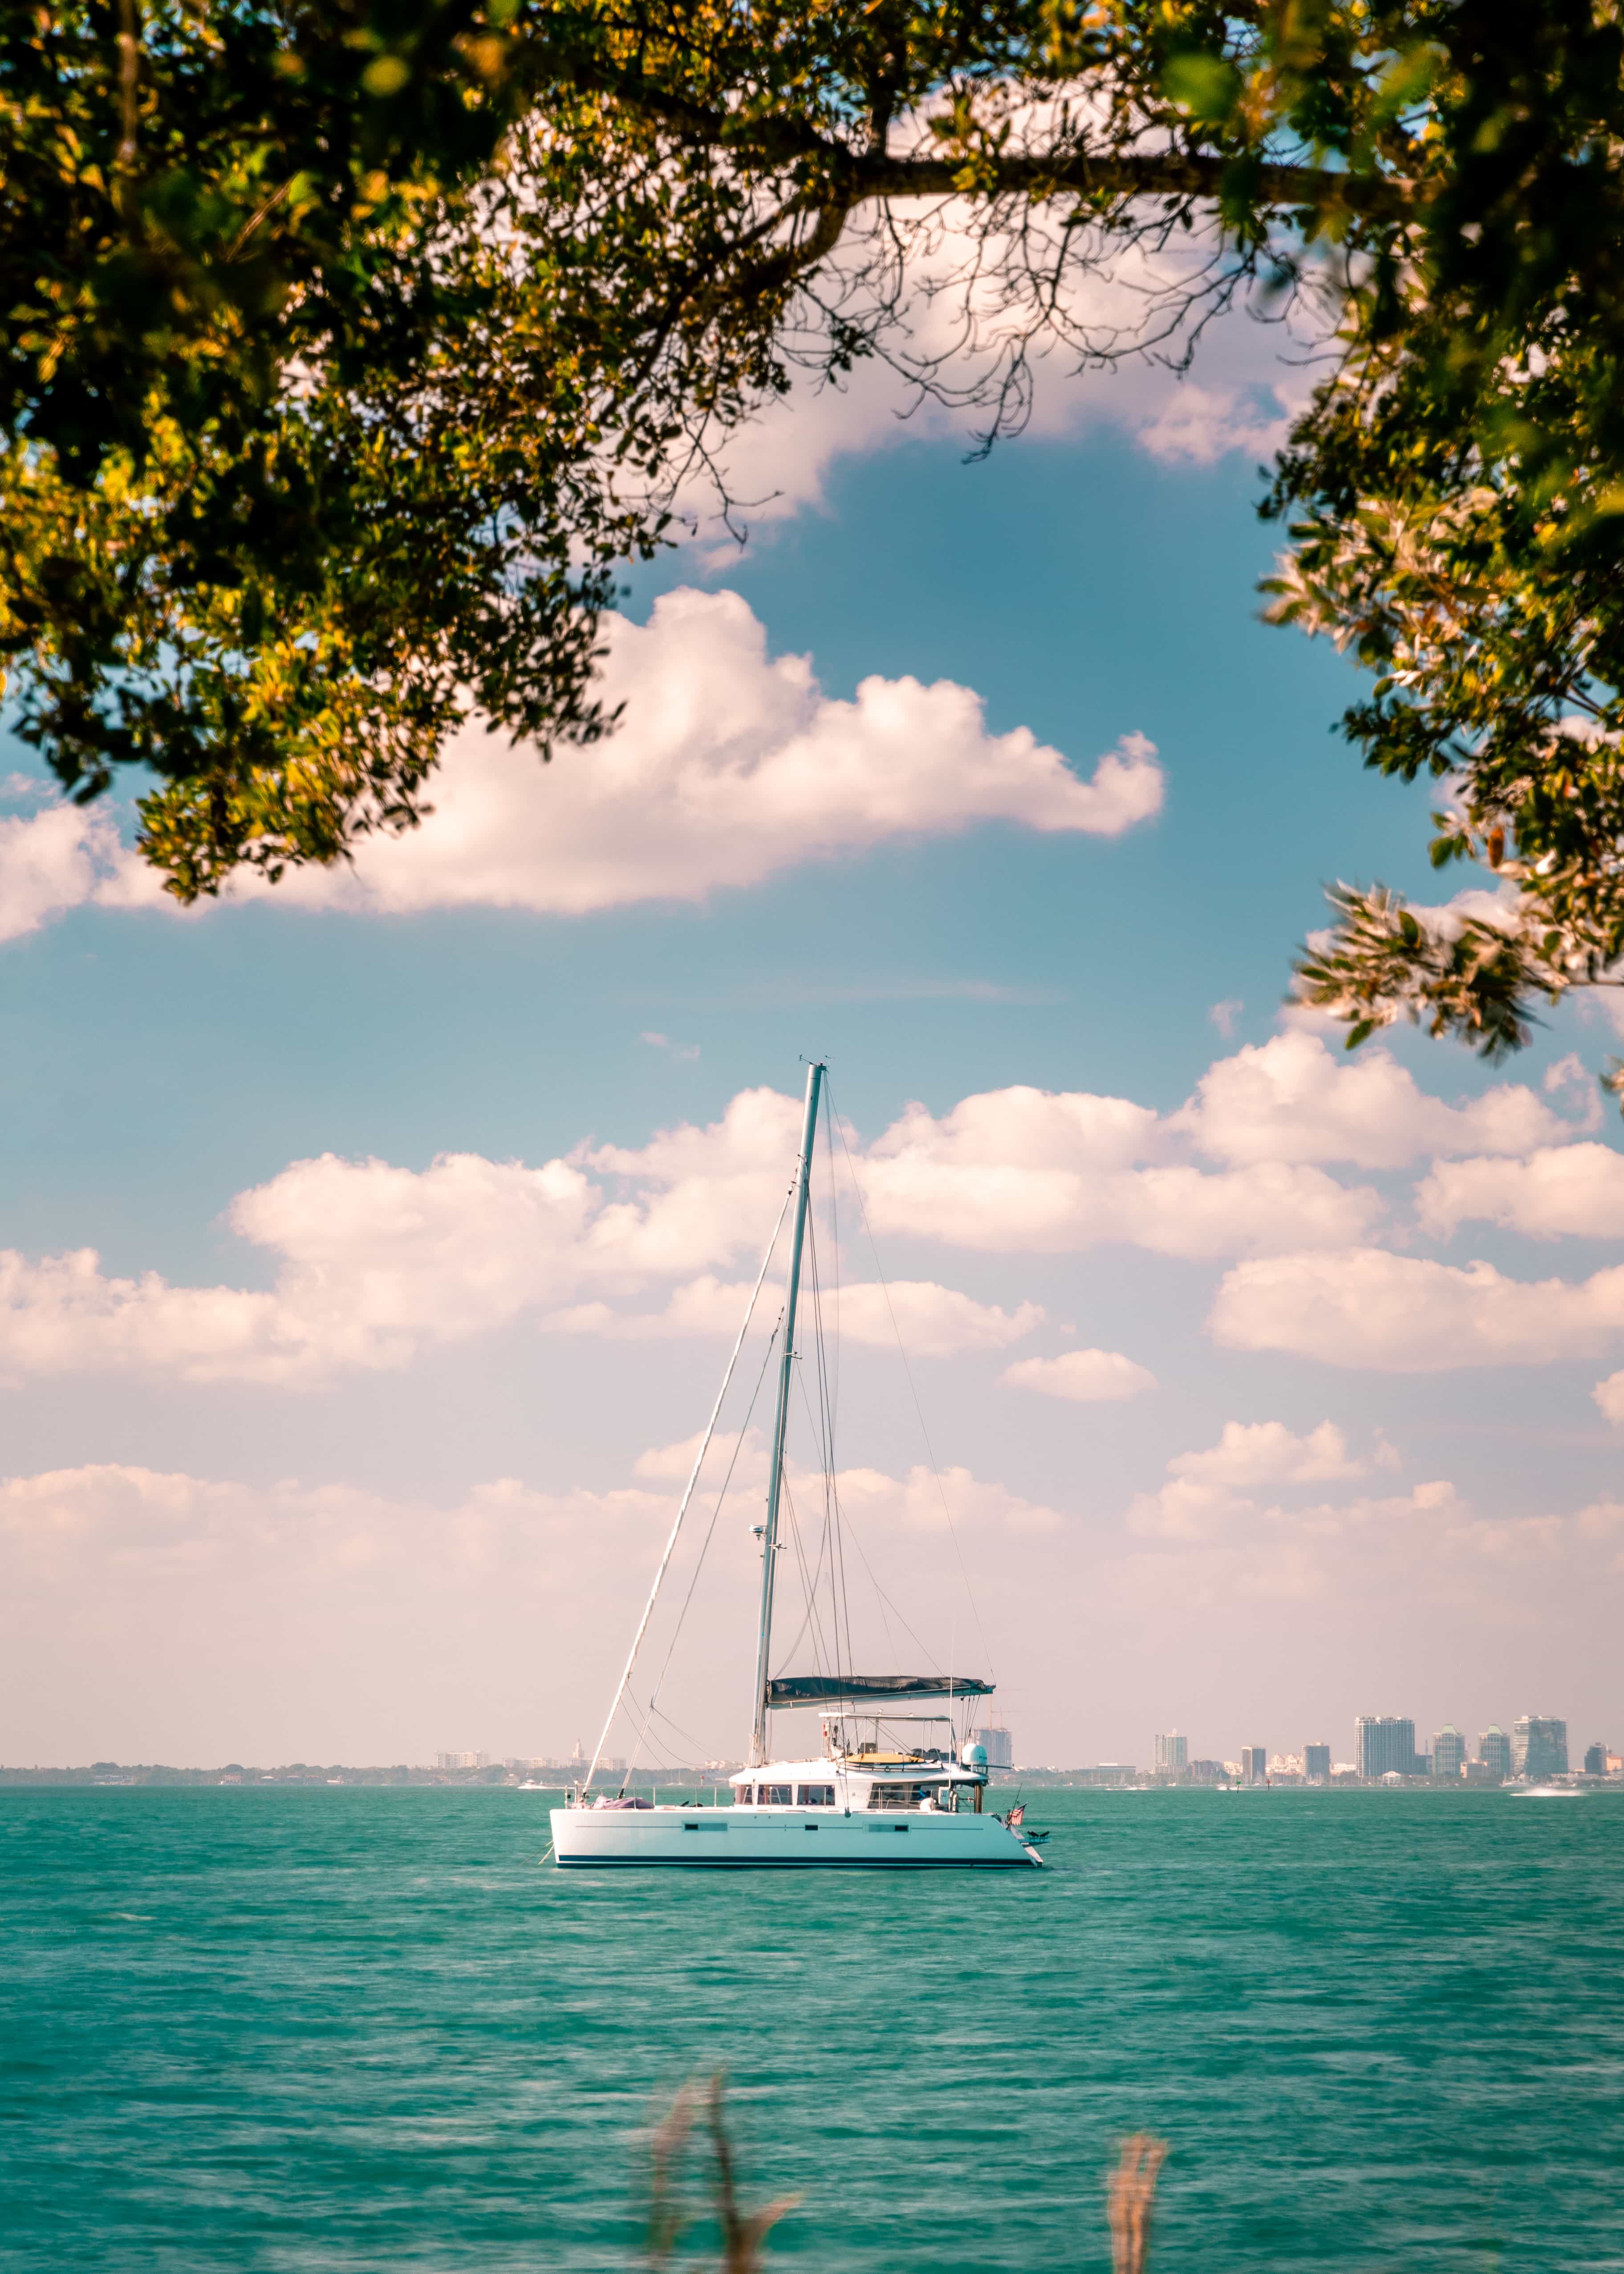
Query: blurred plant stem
point(1129, 2200)
point(699, 2109)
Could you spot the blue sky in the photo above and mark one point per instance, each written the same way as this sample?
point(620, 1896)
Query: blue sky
point(388, 1476)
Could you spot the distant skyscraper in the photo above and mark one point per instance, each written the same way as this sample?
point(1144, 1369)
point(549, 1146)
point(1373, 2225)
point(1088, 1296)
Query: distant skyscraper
point(1000, 1747)
point(1254, 1764)
point(1595, 1760)
point(1449, 1751)
point(1538, 1748)
point(1383, 1743)
point(1316, 1763)
point(1172, 1752)
point(1494, 1750)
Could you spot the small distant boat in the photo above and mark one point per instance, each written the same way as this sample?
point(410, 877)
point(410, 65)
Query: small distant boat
point(1547, 1792)
point(876, 1795)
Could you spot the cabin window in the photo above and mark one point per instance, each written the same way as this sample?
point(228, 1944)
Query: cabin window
point(775, 1795)
point(897, 1796)
point(815, 1796)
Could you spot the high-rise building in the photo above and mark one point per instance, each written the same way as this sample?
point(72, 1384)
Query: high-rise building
point(1449, 1751)
point(1254, 1764)
point(1317, 1764)
point(1384, 1744)
point(1494, 1750)
point(1000, 1747)
point(1539, 1747)
point(1595, 1760)
point(1172, 1752)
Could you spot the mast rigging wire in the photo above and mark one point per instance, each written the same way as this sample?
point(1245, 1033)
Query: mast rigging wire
point(884, 1600)
point(704, 1549)
point(975, 1609)
point(824, 1424)
point(688, 1495)
point(809, 1591)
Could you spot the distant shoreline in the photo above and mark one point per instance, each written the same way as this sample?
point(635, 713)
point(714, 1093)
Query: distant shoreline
point(311, 1777)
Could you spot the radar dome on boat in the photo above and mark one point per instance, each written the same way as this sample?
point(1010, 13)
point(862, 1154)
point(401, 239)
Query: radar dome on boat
point(975, 1757)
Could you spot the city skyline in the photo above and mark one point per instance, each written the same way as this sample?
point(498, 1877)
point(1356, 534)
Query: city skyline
point(1385, 1746)
point(1313, 1764)
point(1505, 1750)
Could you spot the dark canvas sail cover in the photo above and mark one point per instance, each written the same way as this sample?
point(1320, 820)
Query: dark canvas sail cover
point(860, 1688)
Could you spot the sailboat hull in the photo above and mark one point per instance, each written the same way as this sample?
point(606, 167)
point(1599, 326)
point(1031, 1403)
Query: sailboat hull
point(754, 1838)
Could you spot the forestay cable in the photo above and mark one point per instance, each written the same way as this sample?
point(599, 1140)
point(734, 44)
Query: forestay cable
point(699, 1565)
point(688, 1493)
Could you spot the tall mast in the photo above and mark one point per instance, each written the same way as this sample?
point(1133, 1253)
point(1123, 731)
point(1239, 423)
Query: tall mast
point(787, 1366)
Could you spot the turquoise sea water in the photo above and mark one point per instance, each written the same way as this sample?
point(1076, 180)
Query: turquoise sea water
point(349, 2029)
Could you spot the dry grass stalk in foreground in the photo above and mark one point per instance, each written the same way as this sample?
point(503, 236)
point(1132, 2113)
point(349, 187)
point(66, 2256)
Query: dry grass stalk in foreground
point(1129, 2198)
point(699, 2105)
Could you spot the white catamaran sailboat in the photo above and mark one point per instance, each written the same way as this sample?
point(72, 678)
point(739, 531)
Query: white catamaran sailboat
point(877, 1794)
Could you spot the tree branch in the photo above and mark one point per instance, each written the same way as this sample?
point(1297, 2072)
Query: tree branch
point(1162, 174)
point(854, 177)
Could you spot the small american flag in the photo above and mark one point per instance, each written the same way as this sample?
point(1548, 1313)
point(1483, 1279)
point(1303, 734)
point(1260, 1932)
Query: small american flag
point(1015, 1815)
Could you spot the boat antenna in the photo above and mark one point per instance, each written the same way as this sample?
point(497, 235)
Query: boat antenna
point(787, 1366)
point(687, 1492)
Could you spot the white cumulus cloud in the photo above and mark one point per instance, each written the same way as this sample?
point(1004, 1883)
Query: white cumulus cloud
point(1296, 1545)
point(729, 766)
point(161, 1524)
point(1025, 1168)
point(1405, 1314)
point(1250, 1453)
point(1003, 1170)
point(164, 1528)
point(1577, 1189)
point(924, 1501)
point(65, 856)
point(63, 1315)
point(1291, 1099)
point(374, 1262)
point(1207, 1493)
point(370, 1262)
point(1088, 1377)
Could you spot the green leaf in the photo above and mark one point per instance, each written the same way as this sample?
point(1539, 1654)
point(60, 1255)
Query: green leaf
point(1205, 86)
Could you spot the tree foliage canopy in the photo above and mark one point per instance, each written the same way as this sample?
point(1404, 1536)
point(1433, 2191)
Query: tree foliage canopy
point(349, 345)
